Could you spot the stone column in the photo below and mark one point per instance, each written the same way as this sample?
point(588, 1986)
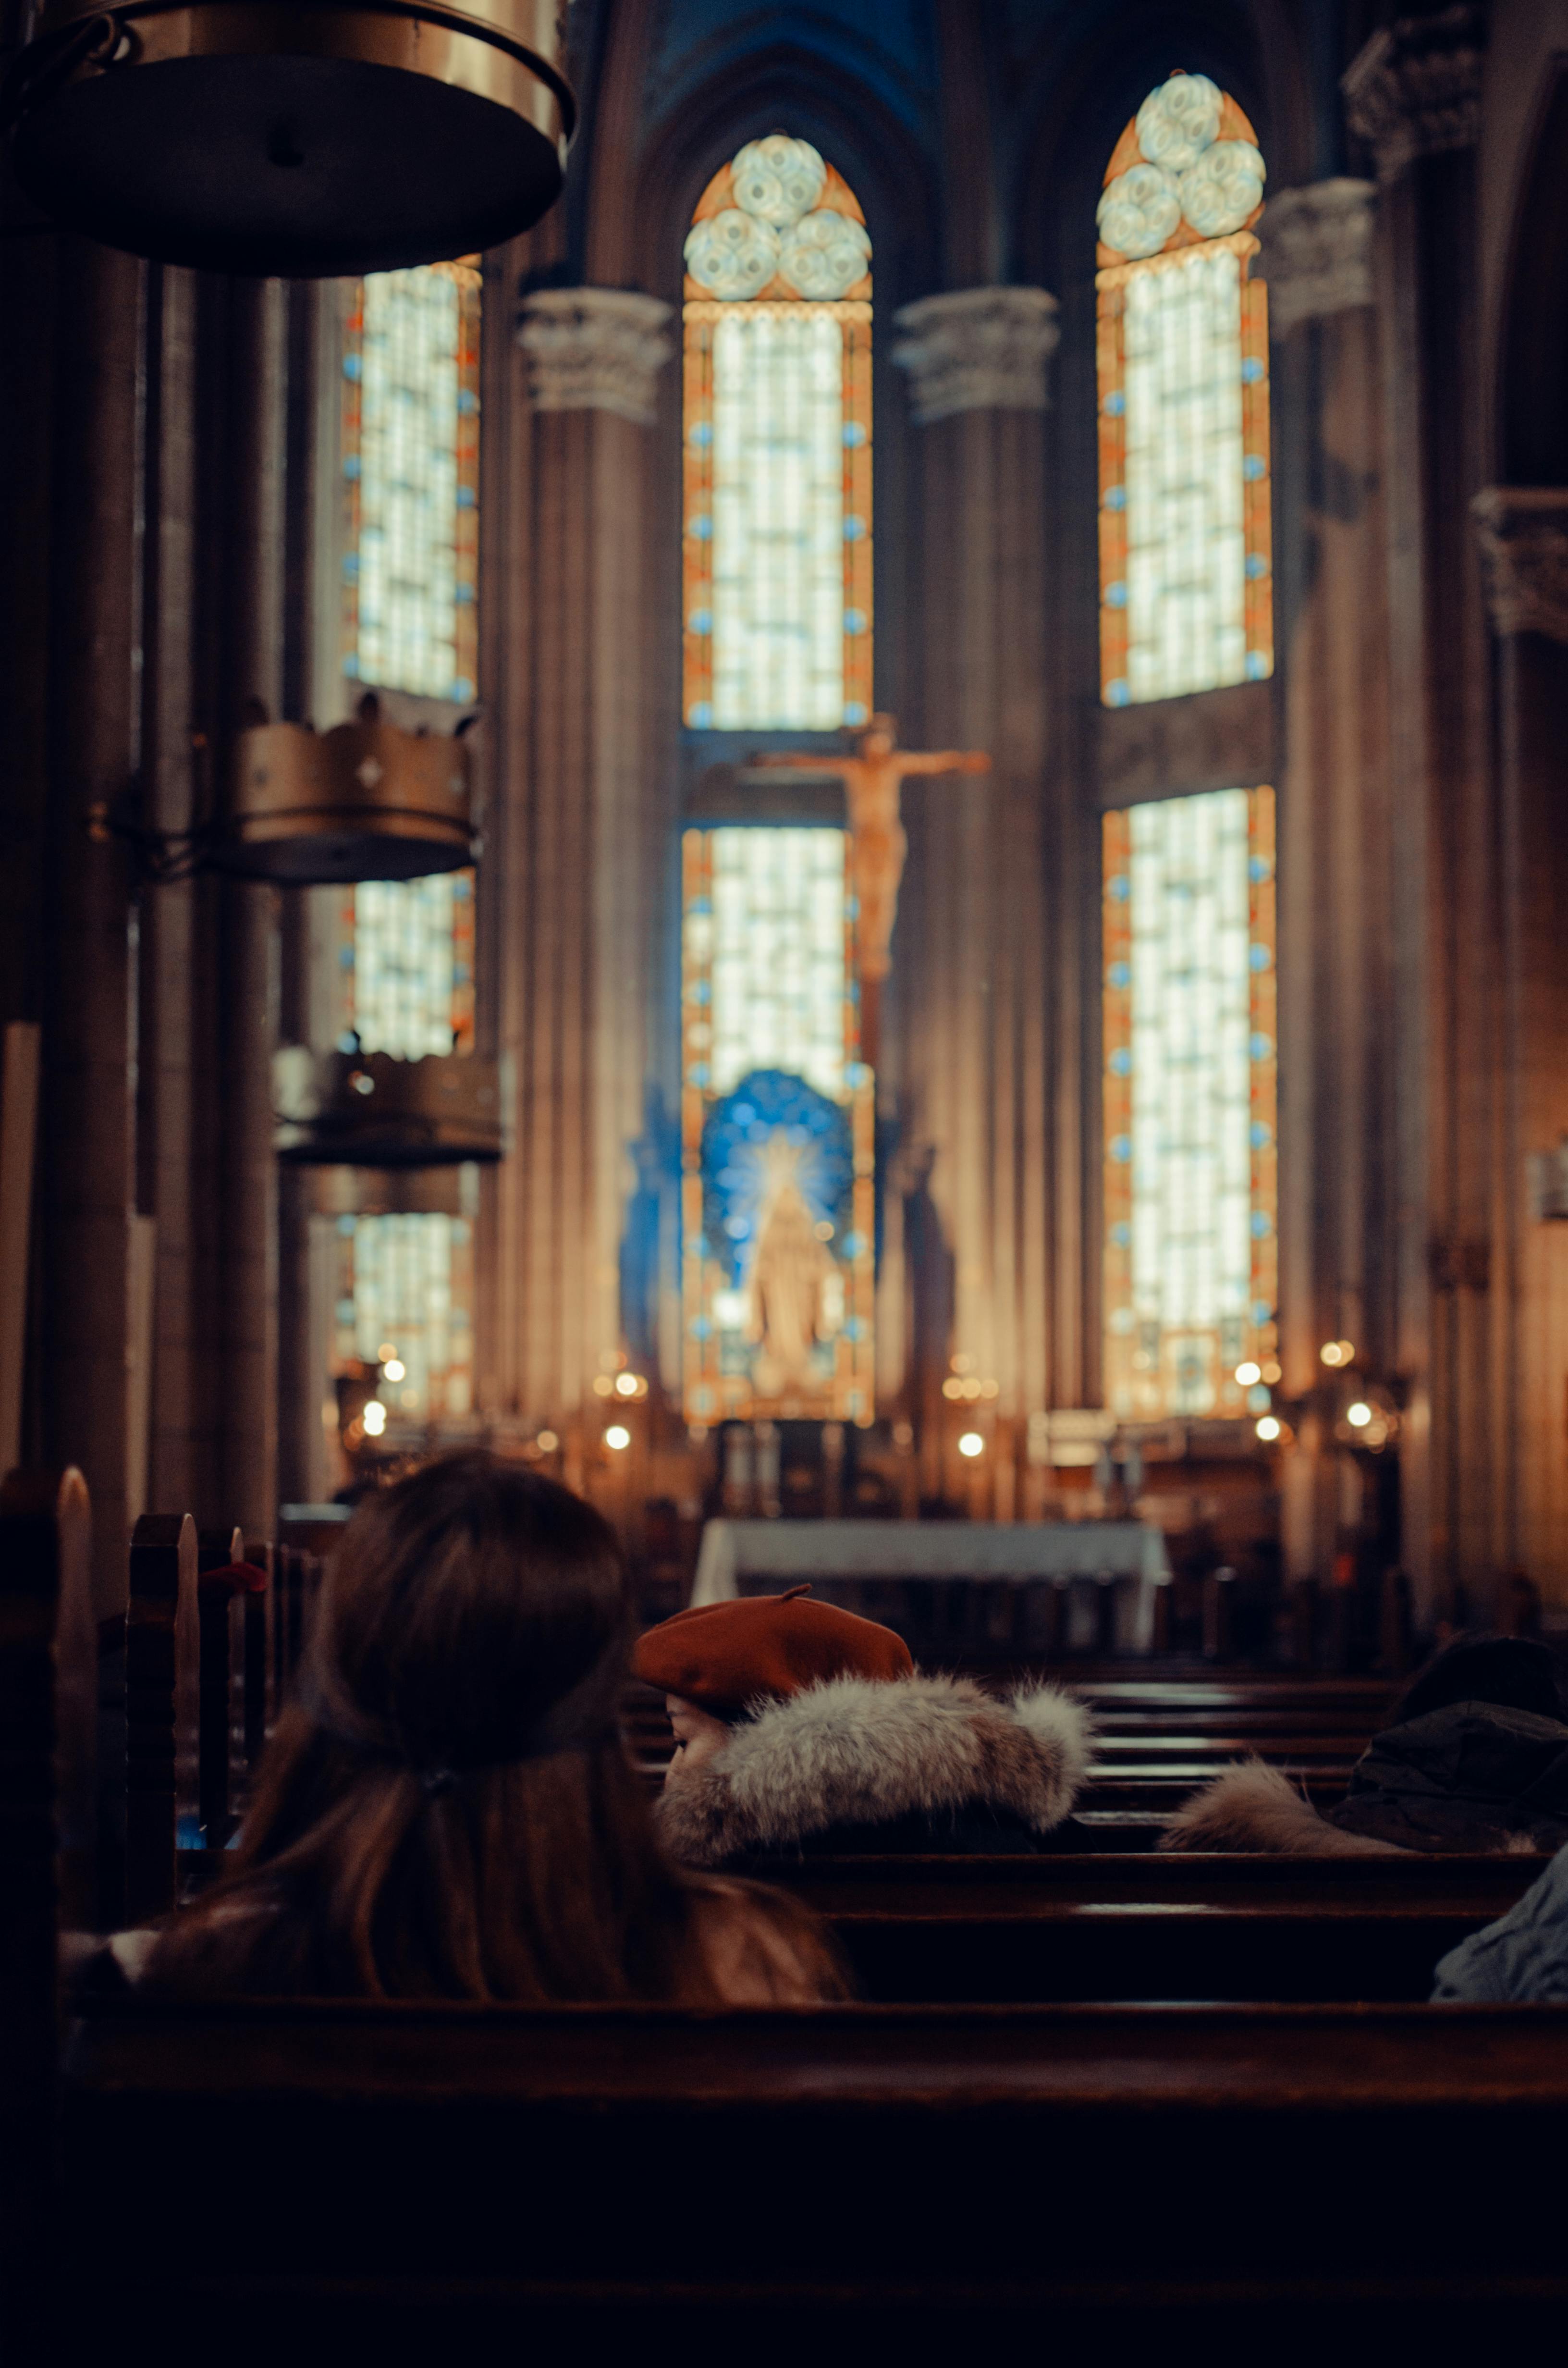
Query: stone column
point(968, 1058)
point(1337, 1174)
point(255, 362)
point(171, 772)
point(1412, 98)
point(1524, 542)
point(86, 1111)
point(573, 861)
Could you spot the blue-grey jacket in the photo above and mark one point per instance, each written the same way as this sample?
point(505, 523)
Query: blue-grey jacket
point(1522, 1960)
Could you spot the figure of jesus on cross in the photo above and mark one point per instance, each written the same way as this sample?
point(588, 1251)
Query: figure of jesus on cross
point(873, 779)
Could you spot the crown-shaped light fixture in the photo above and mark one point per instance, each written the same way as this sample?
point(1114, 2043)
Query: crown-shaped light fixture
point(366, 801)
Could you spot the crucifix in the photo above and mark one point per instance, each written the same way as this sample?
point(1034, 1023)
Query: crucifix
point(873, 777)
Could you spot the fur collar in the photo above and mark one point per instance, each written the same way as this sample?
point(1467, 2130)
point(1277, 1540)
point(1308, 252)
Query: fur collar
point(1253, 1806)
point(852, 1751)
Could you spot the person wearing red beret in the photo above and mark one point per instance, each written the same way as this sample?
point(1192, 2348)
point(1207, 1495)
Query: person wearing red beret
point(801, 1729)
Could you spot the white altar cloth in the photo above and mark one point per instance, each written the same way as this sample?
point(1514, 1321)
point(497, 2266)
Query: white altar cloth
point(788, 1552)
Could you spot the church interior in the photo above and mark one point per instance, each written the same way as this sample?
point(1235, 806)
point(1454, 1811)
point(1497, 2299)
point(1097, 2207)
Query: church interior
point(788, 770)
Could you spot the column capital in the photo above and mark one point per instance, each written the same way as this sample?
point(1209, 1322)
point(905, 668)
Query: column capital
point(1317, 251)
point(1415, 90)
point(977, 349)
point(595, 349)
point(1523, 532)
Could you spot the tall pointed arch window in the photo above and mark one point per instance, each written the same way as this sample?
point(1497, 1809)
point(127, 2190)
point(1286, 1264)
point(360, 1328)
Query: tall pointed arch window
point(409, 442)
point(1186, 590)
point(778, 446)
point(1188, 1006)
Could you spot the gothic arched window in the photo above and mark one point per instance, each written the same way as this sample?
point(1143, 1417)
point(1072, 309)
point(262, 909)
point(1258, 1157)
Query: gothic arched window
point(1185, 596)
point(778, 441)
point(409, 439)
point(1189, 1003)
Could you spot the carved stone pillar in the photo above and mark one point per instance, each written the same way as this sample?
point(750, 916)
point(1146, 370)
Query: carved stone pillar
point(1338, 1158)
point(967, 1057)
point(1524, 542)
point(1413, 97)
point(573, 861)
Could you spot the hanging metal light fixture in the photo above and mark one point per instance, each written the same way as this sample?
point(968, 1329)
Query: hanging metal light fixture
point(370, 1110)
point(302, 138)
point(366, 801)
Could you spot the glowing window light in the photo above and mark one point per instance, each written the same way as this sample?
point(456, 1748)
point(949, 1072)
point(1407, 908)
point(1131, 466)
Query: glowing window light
point(779, 960)
point(410, 1278)
point(1185, 536)
point(778, 449)
point(769, 994)
point(410, 457)
point(408, 990)
point(410, 444)
point(1191, 1193)
point(408, 981)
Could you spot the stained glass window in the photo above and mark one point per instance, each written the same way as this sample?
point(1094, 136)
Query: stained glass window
point(404, 1292)
point(410, 440)
point(406, 1283)
point(408, 983)
point(778, 971)
point(410, 623)
point(1191, 1256)
point(778, 426)
point(777, 1116)
point(1186, 540)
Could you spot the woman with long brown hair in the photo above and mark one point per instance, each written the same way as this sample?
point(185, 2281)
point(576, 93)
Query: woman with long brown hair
point(446, 1809)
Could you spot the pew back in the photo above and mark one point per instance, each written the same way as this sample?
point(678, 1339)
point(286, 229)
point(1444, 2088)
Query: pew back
point(219, 1769)
point(489, 2173)
point(1189, 1926)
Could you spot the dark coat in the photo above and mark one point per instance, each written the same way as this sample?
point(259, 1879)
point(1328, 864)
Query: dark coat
point(1522, 1960)
point(1472, 1776)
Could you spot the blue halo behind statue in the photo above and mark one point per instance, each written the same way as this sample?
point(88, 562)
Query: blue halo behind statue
point(768, 1104)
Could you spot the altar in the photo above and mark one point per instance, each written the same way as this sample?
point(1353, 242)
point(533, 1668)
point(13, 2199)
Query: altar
point(1040, 1587)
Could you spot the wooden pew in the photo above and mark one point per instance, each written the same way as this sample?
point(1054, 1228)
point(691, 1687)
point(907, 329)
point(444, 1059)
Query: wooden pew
point(474, 2175)
point(162, 1708)
point(49, 1816)
point(260, 1707)
point(222, 1617)
point(1065, 1927)
point(233, 1597)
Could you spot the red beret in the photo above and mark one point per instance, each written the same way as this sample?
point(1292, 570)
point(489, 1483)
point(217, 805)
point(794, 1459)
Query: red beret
point(722, 1655)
